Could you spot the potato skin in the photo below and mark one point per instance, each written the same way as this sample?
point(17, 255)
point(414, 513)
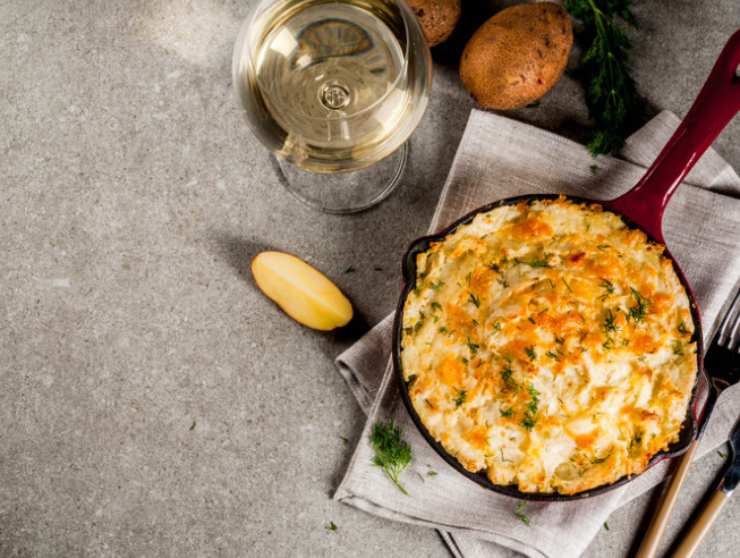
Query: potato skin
point(438, 18)
point(517, 56)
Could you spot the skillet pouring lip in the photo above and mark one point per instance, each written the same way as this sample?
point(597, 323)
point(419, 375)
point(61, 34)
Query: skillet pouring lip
point(688, 430)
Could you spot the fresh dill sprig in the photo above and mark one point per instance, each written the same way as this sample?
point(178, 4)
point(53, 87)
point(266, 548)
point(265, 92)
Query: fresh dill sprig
point(392, 452)
point(604, 70)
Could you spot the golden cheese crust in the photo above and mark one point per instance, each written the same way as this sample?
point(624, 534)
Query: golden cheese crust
point(549, 345)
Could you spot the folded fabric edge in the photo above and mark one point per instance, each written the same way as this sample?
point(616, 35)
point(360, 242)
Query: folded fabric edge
point(505, 541)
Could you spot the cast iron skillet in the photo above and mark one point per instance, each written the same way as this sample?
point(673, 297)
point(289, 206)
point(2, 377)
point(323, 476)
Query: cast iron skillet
point(642, 208)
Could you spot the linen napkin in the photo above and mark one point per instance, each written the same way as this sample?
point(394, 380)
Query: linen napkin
point(497, 158)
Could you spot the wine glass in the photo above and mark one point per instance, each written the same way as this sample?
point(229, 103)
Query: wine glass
point(334, 89)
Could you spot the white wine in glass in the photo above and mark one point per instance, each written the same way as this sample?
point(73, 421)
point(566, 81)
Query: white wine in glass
point(334, 89)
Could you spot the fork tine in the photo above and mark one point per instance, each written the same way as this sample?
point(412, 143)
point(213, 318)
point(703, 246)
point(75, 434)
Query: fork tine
point(728, 331)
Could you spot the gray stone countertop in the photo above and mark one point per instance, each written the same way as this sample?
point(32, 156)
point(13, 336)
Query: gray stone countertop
point(153, 403)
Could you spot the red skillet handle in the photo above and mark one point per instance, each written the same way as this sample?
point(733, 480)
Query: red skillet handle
point(717, 103)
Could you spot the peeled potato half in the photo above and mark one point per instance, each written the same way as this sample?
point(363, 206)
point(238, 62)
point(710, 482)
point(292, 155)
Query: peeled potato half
point(303, 292)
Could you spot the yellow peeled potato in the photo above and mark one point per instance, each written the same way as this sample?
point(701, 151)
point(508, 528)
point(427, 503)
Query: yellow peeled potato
point(303, 292)
point(517, 56)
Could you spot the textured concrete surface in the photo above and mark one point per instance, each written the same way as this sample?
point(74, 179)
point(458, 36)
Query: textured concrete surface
point(152, 402)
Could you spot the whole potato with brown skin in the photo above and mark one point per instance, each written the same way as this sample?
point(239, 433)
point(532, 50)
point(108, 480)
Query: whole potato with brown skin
point(517, 56)
point(437, 17)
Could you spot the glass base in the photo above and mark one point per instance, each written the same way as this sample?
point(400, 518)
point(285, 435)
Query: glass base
point(344, 192)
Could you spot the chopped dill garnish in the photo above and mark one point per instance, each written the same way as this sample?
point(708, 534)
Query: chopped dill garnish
point(677, 347)
point(530, 414)
point(496, 327)
point(521, 512)
point(639, 310)
point(608, 286)
point(475, 300)
point(473, 346)
point(552, 355)
point(436, 305)
point(566, 284)
point(507, 412)
point(531, 354)
point(506, 374)
point(609, 321)
point(331, 526)
point(530, 319)
point(443, 329)
point(534, 263)
point(460, 399)
point(682, 329)
point(436, 286)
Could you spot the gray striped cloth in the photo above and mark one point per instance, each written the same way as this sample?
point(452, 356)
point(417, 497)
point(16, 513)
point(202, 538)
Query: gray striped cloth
point(498, 158)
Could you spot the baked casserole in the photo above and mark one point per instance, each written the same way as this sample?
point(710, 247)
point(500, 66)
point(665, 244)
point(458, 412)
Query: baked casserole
point(549, 345)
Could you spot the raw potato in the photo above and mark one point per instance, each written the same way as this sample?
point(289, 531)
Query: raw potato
point(438, 18)
point(517, 56)
point(303, 292)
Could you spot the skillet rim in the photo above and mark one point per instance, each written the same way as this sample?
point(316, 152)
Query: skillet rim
point(689, 429)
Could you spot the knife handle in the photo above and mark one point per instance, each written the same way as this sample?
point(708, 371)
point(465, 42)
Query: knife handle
point(702, 524)
point(649, 545)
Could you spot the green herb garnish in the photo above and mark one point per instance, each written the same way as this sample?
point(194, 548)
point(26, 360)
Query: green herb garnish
point(552, 355)
point(436, 305)
point(530, 414)
point(639, 310)
point(530, 319)
point(566, 284)
point(534, 263)
point(608, 286)
point(677, 347)
point(521, 512)
point(436, 286)
point(611, 94)
point(411, 380)
point(443, 329)
point(473, 346)
point(392, 453)
point(432, 473)
point(609, 321)
point(606, 525)
point(506, 374)
point(682, 329)
point(475, 300)
point(507, 412)
point(460, 399)
point(530, 353)
point(496, 327)
point(331, 526)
